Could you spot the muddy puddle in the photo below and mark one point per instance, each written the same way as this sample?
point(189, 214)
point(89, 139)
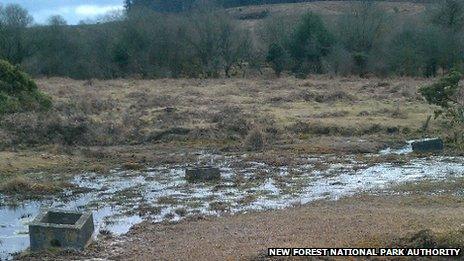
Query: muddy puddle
point(124, 198)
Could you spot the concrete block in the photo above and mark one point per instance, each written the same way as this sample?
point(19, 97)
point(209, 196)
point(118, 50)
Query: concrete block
point(201, 174)
point(62, 229)
point(427, 145)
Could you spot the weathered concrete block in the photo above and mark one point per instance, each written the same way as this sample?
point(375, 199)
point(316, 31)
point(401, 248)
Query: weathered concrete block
point(63, 229)
point(427, 145)
point(202, 174)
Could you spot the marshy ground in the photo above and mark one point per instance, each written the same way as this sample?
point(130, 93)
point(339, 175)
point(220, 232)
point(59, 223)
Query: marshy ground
point(287, 148)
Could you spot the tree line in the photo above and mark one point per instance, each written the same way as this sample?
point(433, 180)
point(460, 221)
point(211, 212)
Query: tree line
point(185, 5)
point(206, 41)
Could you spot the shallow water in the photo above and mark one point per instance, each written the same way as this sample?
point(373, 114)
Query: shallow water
point(403, 150)
point(124, 198)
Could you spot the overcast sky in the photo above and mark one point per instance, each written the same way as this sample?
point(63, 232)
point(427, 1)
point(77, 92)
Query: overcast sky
point(72, 10)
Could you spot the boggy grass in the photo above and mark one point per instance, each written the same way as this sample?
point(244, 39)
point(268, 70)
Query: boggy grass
point(321, 128)
point(220, 111)
point(450, 186)
point(26, 187)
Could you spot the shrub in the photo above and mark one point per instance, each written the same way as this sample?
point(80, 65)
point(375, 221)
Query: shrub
point(276, 57)
point(18, 92)
point(255, 140)
point(360, 61)
point(447, 94)
point(442, 93)
point(232, 121)
point(311, 42)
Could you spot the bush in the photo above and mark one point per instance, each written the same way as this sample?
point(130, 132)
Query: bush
point(233, 121)
point(310, 43)
point(18, 92)
point(276, 57)
point(255, 140)
point(360, 61)
point(442, 93)
point(447, 94)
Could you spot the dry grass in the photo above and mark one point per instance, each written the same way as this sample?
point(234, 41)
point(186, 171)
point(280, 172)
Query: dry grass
point(22, 161)
point(429, 239)
point(255, 140)
point(132, 166)
point(450, 186)
point(98, 125)
point(28, 188)
point(121, 112)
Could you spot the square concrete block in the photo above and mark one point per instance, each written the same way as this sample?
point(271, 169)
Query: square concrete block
point(200, 174)
point(62, 229)
point(428, 145)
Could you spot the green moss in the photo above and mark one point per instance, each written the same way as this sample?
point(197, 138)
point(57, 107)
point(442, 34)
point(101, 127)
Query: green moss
point(18, 92)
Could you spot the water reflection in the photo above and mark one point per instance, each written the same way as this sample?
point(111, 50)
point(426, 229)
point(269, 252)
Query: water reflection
point(124, 198)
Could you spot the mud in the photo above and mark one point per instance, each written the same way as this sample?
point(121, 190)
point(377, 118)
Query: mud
point(127, 197)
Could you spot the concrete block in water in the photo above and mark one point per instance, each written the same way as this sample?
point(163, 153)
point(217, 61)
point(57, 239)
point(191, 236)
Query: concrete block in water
point(427, 145)
point(200, 174)
point(61, 228)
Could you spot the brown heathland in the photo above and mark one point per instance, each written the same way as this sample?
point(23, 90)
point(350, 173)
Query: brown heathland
point(97, 125)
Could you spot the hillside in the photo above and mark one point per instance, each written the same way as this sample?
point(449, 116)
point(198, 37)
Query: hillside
point(324, 8)
point(253, 17)
point(250, 16)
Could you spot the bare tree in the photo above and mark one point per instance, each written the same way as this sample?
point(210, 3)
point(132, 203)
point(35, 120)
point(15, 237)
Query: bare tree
point(13, 22)
point(362, 30)
point(216, 41)
point(363, 26)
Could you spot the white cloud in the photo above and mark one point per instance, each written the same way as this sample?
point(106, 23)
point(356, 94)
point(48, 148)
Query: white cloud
point(94, 10)
point(73, 14)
